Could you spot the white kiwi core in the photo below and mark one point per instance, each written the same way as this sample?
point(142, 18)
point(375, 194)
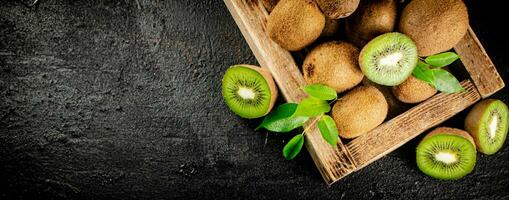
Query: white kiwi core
point(446, 157)
point(391, 59)
point(492, 127)
point(246, 93)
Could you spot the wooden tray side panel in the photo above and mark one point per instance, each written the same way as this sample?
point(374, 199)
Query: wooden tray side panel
point(251, 18)
point(401, 129)
point(479, 65)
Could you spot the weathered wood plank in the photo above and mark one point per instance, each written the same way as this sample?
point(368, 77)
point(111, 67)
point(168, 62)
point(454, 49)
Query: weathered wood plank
point(251, 18)
point(401, 129)
point(479, 65)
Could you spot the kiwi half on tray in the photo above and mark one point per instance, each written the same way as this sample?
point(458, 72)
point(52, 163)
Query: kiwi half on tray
point(389, 59)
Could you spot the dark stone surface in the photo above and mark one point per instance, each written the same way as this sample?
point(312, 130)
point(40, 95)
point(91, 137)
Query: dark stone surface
point(112, 99)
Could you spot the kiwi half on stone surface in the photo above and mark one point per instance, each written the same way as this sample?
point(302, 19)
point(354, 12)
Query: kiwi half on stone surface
point(487, 123)
point(359, 111)
point(372, 18)
point(294, 24)
point(446, 153)
point(434, 25)
point(413, 90)
point(249, 91)
point(333, 64)
point(389, 59)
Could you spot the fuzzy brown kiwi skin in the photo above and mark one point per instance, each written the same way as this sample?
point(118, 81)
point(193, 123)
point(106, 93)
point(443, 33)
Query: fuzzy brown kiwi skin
point(294, 24)
point(451, 131)
point(396, 107)
point(359, 111)
point(434, 25)
point(331, 27)
point(269, 4)
point(372, 18)
point(472, 121)
point(333, 64)
point(336, 9)
point(413, 90)
point(270, 81)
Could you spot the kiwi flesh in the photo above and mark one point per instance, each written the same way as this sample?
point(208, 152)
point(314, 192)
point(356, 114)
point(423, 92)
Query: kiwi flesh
point(294, 24)
point(336, 9)
point(388, 59)
point(333, 64)
point(434, 25)
point(371, 19)
point(249, 91)
point(413, 90)
point(359, 111)
point(446, 153)
point(487, 123)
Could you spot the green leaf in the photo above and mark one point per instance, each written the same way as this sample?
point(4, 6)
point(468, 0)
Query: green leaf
point(328, 129)
point(293, 147)
point(281, 120)
point(446, 82)
point(321, 91)
point(311, 107)
point(442, 59)
point(422, 72)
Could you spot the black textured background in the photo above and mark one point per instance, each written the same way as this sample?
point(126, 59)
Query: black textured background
point(120, 99)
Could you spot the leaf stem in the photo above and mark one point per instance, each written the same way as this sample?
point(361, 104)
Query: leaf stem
point(315, 120)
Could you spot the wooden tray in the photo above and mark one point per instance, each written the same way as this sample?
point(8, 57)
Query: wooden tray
point(336, 163)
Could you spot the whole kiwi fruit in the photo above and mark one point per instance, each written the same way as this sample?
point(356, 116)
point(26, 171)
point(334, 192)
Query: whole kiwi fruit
point(294, 24)
point(333, 64)
point(488, 122)
point(446, 153)
point(434, 25)
point(359, 111)
point(372, 18)
point(331, 27)
point(336, 9)
point(396, 107)
point(269, 4)
point(249, 91)
point(413, 90)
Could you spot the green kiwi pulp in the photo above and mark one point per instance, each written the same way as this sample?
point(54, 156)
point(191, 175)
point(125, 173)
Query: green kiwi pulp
point(248, 91)
point(389, 59)
point(446, 156)
point(487, 123)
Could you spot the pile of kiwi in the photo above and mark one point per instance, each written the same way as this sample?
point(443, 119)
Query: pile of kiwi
point(366, 50)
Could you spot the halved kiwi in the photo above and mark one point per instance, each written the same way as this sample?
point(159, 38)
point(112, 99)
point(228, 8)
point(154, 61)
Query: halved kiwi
point(487, 123)
point(249, 91)
point(446, 153)
point(389, 59)
point(359, 111)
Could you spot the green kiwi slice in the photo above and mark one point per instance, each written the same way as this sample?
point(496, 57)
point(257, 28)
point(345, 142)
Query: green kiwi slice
point(389, 59)
point(249, 91)
point(446, 154)
point(487, 123)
